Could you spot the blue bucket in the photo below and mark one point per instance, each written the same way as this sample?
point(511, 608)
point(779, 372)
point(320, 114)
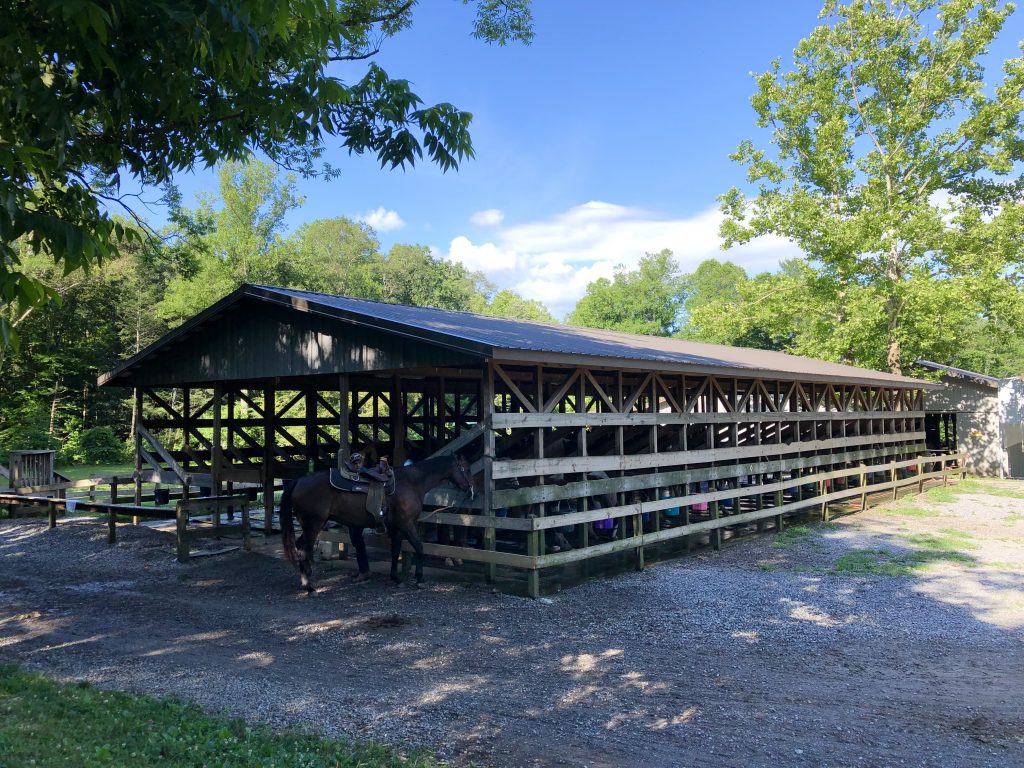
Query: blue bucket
point(671, 511)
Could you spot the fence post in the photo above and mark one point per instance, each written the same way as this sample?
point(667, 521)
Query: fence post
point(895, 488)
point(181, 525)
point(111, 526)
point(862, 481)
point(246, 537)
point(716, 533)
point(778, 518)
point(51, 514)
point(113, 490)
point(533, 575)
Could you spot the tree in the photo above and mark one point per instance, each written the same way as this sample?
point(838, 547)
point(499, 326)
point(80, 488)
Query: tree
point(231, 239)
point(895, 170)
point(97, 92)
point(725, 306)
point(645, 300)
point(508, 303)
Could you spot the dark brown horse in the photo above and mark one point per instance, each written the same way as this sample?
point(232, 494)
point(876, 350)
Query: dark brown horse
point(315, 502)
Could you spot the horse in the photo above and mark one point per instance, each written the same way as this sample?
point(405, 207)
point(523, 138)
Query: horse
point(314, 501)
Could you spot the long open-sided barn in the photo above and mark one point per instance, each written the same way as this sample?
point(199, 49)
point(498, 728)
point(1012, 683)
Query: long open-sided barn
point(586, 443)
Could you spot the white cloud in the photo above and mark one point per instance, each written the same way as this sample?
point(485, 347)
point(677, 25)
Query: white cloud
point(492, 217)
point(554, 259)
point(382, 219)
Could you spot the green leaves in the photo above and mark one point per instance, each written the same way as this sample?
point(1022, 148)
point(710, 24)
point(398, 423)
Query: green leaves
point(889, 162)
point(100, 90)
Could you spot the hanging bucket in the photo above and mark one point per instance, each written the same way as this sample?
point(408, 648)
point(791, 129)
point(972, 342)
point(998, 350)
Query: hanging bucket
point(162, 496)
point(666, 493)
point(701, 487)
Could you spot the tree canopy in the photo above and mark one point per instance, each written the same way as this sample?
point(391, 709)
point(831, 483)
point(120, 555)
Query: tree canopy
point(644, 300)
point(101, 92)
point(896, 168)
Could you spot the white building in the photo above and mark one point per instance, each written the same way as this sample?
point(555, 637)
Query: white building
point(980, 415)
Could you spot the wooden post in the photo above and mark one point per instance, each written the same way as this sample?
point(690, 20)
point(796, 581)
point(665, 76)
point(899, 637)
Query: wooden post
point(269, 408)
point(216, 454)
point(533, 575)
point(638, 530)
point(716, 533)
point(863, 490)
point(397, 421)
point(137, 441)
point(894, 486)
point(51, 514)
point(246, 532)
point(111, 526)
point(486, 416)
point(778, 518)
point(345, 443)
point(822, 490)
point(181, 531)
point(113, 490)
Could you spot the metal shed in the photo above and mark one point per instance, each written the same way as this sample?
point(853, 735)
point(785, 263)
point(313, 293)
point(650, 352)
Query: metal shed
point(618, 444)
point(983, 416)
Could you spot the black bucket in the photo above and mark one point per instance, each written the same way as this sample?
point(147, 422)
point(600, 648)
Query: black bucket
point(162, 496)
point(204, 491)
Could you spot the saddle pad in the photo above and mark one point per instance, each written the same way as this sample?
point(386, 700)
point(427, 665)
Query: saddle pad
point(343, 483)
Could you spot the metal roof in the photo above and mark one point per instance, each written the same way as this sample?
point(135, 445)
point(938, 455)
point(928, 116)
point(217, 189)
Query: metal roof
point(980, 378)
point(527, 341)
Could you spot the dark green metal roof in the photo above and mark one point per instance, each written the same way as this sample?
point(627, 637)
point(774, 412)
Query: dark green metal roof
point(262, 332)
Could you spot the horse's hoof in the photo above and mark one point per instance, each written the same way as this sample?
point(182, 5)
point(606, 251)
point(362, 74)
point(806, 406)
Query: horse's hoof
point(359, 578)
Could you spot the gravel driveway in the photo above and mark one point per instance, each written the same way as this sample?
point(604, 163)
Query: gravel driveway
point(762, 655)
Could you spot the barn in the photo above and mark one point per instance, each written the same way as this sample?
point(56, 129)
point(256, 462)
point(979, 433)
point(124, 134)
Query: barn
point(589, 447)
point(982, 416)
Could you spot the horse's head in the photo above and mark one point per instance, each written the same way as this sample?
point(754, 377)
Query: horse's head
point(462, 476)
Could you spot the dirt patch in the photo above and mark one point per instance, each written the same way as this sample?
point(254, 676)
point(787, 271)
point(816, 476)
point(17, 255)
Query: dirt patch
point(761, 655)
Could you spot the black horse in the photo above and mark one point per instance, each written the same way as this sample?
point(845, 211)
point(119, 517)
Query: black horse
point(314, 501)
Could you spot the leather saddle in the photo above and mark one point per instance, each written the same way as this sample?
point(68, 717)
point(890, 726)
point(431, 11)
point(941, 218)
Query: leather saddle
point(350, 476)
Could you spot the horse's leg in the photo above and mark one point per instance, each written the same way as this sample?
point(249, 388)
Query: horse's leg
point(310, 532)
point(396, 550)
point(355, 535)
point(408, 528)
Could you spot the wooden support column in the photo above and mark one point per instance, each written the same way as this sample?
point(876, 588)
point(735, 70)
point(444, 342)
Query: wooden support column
point(269, 410)
point(778, 518)
point(181, 531)
point(397, 422)
point(716, 533)
point(137, 443)
point(216, 453)
point(486, 417)
point(344, 438)
point(311, 442)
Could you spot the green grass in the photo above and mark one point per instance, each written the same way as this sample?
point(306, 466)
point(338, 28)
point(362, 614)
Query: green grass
point(883, 562)
point(1013, 518)
point(791, 536)
point(943, 494)
point(83, 471)
point(977, 485)
point(47, 725)
point(907, 511)
point(945, 539)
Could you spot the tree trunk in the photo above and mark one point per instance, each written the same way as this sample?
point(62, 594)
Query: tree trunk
point(892, 307)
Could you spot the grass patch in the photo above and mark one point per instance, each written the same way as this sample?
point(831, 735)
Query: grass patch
point(905, 511)
point(942, 540)
point(1013, 518)
point(791, 536)
point(987, 488)
point(46, 724)
point(84, 471)
point(943, 494)
point(884, 562)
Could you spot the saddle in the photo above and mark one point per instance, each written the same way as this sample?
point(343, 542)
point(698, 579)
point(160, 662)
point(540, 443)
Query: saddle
point(350, 476)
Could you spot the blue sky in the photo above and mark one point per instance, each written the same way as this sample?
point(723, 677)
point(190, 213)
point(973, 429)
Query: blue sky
point(606, 138)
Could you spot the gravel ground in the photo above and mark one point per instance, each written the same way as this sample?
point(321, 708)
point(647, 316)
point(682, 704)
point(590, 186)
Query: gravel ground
point(762, 655)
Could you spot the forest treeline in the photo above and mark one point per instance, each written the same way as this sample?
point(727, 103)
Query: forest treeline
point(48, 393)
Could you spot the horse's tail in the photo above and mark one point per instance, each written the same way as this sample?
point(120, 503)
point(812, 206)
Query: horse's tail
point(287, 526)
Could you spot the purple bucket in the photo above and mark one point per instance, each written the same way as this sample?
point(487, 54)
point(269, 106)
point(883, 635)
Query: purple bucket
point(604, 525)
